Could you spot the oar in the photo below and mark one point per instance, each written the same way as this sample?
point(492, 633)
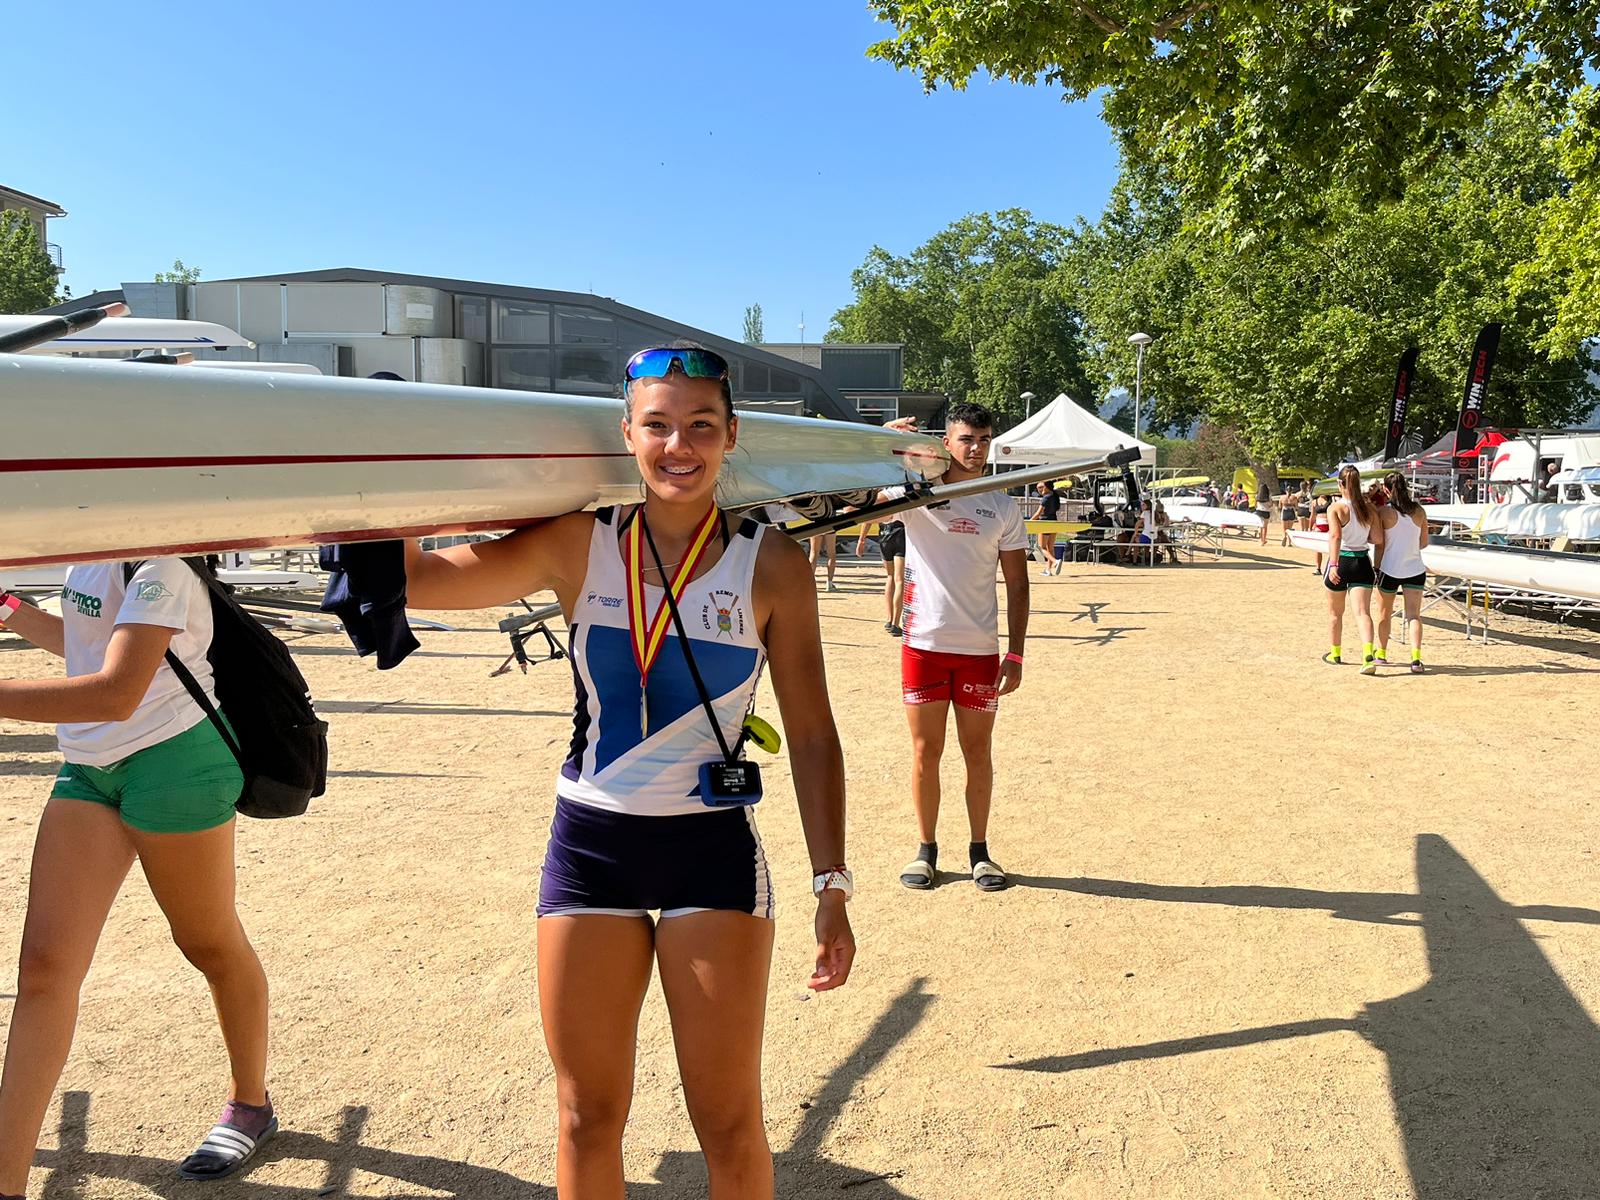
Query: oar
point(51, 328)
point(920, 496)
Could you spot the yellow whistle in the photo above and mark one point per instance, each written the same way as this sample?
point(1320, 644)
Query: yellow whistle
point(763, 734)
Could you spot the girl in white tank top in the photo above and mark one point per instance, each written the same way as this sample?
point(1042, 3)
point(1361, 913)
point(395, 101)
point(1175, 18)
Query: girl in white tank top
point(1351, 532)
point(631, 833)
point(1403, 573)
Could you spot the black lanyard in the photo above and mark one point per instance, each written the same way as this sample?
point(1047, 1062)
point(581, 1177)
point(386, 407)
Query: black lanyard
point(729, 755)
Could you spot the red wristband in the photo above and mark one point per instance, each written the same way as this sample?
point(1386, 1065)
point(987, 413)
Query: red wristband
point(1016, 658)
point(8, 605)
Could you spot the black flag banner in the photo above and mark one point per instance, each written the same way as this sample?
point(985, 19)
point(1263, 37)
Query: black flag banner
point(1403, 376)
point(1472, 399)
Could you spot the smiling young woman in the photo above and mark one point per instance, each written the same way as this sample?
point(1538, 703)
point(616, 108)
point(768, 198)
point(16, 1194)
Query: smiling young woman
point(650, 816)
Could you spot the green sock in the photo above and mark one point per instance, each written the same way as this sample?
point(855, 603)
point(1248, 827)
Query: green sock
point(1333, 652)
point(1416, 655)
point(1382, 653)
point(1366, 651)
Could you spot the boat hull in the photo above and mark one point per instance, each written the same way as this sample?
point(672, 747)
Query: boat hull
point(108, 460)
point(1574, 575)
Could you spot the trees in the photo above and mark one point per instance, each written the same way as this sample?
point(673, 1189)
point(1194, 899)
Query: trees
point(985, 309)
point(753, 331)
point(1258, 108)
point(1292, 340)
point(178, 274)
point(28, 279)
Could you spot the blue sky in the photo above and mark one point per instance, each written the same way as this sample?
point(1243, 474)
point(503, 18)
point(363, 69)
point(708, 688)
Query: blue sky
point(687, 159)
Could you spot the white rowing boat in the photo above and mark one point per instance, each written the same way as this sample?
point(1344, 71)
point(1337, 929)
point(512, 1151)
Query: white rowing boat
point(1579, 522)
point(133, 333)
point(106, 460)
point(1207, 514)
point(1558, 574)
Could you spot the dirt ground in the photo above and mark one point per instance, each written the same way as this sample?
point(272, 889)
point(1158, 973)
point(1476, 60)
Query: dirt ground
point(1278, 930)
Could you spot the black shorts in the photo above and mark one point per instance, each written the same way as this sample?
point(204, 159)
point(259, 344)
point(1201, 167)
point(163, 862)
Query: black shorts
point(627, 865)
point(1394, 583)
point(1355, 571)
point(892, 541)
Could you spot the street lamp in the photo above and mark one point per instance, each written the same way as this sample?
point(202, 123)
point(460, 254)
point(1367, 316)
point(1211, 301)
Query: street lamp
point(1027, 398)
point(1140, 340)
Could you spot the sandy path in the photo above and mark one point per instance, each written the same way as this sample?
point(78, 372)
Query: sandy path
point(1281, 931)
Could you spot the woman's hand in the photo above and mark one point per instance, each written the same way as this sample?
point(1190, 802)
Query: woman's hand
point(1333, 573)
point(836, 944)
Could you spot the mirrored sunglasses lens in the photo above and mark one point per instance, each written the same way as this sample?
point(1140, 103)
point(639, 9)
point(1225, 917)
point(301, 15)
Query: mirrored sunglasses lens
point(650, 364)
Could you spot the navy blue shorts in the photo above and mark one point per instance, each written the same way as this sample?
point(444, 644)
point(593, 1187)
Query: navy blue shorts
point(624, 865)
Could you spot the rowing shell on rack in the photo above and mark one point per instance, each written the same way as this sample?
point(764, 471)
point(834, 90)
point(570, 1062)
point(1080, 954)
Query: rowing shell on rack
point(107, 460)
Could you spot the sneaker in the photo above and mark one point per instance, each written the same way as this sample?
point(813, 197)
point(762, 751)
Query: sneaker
point(1417, 668)
point(832, 586)
point(1369, 666)
point(1333, 660)
point(896, 631)
point(1382, 657)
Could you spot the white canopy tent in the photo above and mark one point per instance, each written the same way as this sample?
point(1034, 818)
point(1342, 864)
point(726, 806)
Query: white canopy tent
point(1063, 429)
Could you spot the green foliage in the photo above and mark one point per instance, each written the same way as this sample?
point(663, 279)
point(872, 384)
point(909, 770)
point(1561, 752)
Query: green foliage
point(1292, 339)
point(28, 280)
point(985, 309)
point(1258, 108)
point(1566, 266)
point(1215, 451)
point(754, 333)
point(178, 274)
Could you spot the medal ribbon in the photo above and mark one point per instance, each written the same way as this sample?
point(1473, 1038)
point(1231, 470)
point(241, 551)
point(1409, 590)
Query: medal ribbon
point(648, 640)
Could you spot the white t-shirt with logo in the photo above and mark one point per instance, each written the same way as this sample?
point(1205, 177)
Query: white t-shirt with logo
point(952, 550)
point(164, 592)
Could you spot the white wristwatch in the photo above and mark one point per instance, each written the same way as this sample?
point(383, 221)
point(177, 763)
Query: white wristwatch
point(839, 880)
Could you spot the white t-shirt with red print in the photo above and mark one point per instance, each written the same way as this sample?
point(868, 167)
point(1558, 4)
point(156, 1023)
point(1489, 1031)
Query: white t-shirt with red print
point(952, 550)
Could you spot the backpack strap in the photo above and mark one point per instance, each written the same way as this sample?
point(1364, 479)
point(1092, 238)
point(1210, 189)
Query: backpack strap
point(190, 683)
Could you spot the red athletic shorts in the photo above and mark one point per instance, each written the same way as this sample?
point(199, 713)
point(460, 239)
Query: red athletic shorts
point(967, 680)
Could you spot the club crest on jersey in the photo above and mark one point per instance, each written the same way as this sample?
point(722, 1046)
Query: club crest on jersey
point(962, 525)
point(723, 615)
point(151, 590)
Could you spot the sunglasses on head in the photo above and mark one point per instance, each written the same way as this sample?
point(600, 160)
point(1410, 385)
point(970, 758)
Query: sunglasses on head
point(659, 362)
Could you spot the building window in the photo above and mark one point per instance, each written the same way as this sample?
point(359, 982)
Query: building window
point(577, 327)
point(472, 318)
point(525, 369)
point(518, 322)
point(589, 371)
point(755, 377)
point(783, 382)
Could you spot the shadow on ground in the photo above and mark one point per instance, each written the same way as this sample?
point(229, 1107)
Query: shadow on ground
point(1494, 1065)
point(801, 1170)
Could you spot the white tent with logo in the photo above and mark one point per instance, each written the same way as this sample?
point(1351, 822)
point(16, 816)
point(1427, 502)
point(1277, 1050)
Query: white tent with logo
point(1062, 430)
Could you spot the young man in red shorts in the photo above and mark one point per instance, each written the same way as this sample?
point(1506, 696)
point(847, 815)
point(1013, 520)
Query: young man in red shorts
point(950, 657)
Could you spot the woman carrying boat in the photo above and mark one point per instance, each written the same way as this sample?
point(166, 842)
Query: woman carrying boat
point(1352, 528)
point(673, 610)
point(1405, 533)
point(147, 777)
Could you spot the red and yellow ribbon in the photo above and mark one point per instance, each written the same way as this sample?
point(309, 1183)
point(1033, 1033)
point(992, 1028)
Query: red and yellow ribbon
point(647, 639)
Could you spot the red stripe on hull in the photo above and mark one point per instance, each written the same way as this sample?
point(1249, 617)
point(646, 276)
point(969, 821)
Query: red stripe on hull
point(17, 465)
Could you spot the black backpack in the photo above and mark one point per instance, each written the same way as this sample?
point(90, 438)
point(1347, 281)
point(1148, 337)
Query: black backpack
point(282, 745)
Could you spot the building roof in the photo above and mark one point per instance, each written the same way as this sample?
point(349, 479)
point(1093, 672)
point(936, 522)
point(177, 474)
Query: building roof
point(50, 207)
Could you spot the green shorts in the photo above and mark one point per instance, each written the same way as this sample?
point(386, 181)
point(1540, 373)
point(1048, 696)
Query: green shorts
point(185, 784)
